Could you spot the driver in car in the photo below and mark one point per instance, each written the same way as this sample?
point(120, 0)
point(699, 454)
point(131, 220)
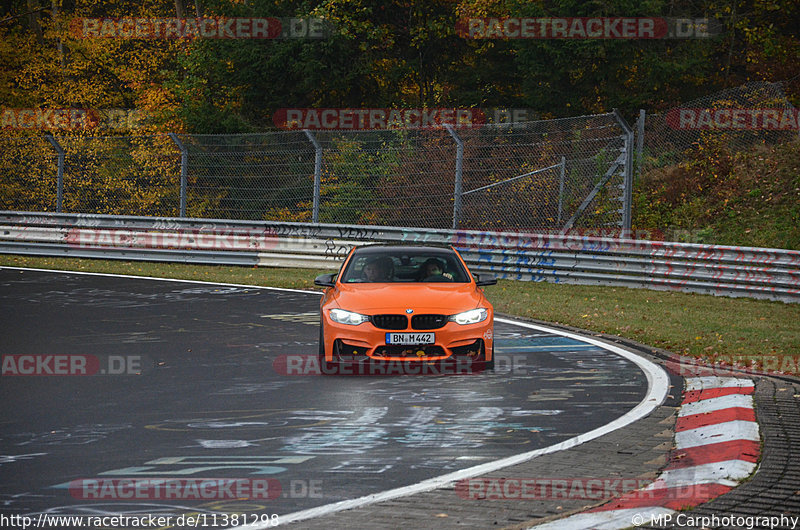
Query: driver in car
point(378, 270)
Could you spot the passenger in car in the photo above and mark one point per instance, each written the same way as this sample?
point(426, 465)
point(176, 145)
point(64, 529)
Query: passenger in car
point(433, 271)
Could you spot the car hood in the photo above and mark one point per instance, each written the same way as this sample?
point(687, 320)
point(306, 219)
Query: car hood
point(382, 298)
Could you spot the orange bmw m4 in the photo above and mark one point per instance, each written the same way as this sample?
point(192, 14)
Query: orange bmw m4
point(405, 304)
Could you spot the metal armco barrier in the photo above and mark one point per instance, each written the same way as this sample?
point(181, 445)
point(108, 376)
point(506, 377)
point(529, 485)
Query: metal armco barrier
point(712, 269)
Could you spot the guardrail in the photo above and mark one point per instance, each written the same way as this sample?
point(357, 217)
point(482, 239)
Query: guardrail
point(711, 269)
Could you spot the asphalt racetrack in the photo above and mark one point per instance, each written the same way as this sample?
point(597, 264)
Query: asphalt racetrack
point(190, 381)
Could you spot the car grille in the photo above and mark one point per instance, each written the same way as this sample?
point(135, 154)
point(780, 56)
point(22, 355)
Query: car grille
point(428, 321)
point(390, 321)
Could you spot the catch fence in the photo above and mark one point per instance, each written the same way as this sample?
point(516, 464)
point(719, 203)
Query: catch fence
point(735, 120)
point(558, 175)
point(537, 175)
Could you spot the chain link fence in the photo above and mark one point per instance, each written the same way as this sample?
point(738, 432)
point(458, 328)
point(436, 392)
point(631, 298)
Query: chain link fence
point(30, 174)
point(735, 119)
point(685, 155)
point(267, 176)
point(538, 175)
point(132, 175)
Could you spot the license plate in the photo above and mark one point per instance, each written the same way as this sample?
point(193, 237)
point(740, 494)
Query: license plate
point(409, 339)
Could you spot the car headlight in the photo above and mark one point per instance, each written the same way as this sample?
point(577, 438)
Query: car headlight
point(347, 317)
point(472, 316)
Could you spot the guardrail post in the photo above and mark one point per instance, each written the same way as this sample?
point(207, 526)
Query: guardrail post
point(60, 175)
point(184, 169)
point(459, 184)
point(561, 178)
point(317, 174)
point(627, 186)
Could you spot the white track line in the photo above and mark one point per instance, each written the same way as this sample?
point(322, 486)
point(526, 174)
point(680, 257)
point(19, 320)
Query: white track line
point(133, 276)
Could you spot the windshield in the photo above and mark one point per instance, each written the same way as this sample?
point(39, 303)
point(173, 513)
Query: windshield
point(405, 266)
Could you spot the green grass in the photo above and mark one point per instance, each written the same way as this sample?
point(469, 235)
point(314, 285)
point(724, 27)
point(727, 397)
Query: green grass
point(686, 324)
point(288, 278)
point(683, 323)
point(746, 198)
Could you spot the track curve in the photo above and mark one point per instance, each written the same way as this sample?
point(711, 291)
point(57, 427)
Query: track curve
point(210, 399)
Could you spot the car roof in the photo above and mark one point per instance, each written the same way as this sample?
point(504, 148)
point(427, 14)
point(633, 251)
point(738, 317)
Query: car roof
point(392, 249)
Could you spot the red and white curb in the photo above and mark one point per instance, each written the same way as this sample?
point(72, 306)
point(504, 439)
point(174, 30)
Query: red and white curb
point(717, 444)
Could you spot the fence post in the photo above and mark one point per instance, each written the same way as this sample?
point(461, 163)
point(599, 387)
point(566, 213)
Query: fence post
point(458, 189)
point(60, 175)
point(184, 164)
point(317, 174)
point(627, 190)
point(561, 177)
point(640, 142)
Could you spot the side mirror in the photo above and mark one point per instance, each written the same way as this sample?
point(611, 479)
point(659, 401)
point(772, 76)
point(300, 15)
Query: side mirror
point(325, 280)
point(483, 280)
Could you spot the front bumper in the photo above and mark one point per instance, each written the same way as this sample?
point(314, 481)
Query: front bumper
point(345, 343)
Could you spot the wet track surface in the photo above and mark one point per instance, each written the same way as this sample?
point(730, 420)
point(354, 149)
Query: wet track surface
point(214, 400)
